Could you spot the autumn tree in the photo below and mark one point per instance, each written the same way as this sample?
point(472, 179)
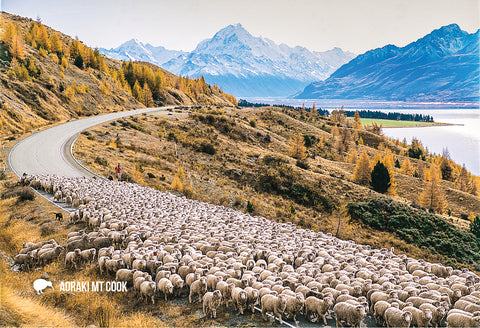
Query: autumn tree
point(55, 43)
point(463, 180)
point(432, 197)
point(335, 131)
point(137, 92)
point(343, 142)
point(446, 167)
point(357, 121)
point(338, 115)
point(361, 173)
point(297, 146)
point(177, 184)
point(407, 167)
point(147, 96)
point(353, 156)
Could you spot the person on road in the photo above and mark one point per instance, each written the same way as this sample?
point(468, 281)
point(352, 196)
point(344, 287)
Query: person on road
point(118, 171)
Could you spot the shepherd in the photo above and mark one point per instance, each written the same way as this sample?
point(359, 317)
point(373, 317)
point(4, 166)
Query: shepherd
point(118, 170)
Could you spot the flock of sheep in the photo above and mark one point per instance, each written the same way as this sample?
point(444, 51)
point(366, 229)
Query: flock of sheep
point(164, 245)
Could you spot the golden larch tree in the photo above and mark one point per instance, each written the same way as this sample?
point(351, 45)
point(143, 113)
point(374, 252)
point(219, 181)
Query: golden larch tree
point(16, 47)
point(432, 196)
point(335, 131)
point(407, 167)
point(353, 156)
point(297, 146)
point(357, 122)
point(147, 96)
point(463, 181)
point(390, 165)
point(137, 92)
point(363, 169)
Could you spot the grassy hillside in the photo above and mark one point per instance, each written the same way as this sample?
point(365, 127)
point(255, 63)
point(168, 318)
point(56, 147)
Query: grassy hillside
point(242, 158)
point(43, 84)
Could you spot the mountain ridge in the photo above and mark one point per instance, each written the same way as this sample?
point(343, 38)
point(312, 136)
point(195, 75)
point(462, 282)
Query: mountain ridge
point(245, 65)
point(441, 66)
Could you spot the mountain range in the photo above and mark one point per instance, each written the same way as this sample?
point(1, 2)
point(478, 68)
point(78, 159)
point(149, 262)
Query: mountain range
point(241, 64)
point(442, 66)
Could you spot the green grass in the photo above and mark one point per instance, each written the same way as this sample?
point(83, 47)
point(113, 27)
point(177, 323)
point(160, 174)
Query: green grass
point(396, 124)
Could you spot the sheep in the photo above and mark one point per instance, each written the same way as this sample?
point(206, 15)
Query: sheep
point(147, 290)
point(462, 320)
point(240, 299)
point(199, 288)
point(252, 298)
point(125, 275)
point(72, 259)
point(420, 318)
point(50, 255)
point(226, 290)
point(397, 318)
point(349, 314)
point(294, 305)
point(193, 240)
point(165, 286)
point(275, 305)
point(88, 256)
point(211, 303)
point(317, 307)
point(24, 260)
point(112, 266)
point(438, 313)
point(212, 281)
point(177, 282)
point(379, 311)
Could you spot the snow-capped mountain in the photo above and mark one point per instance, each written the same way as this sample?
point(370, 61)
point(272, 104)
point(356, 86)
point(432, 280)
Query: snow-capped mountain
point(242, 64)
point(137, 51)
point(250, 66)
point(442, 66)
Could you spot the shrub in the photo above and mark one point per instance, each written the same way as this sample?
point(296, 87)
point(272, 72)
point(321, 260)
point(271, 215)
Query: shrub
point(249, 207)
point(25, 194)
point(151, 175)
point(418, 227)
point(207, 148)
point(2, 175)
point(101, 161)
point(126, 177)
point(475, 226)
point(302, 164)
point(253, 123)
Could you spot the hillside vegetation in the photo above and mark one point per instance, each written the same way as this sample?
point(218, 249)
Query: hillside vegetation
point(49, 77)
point(246, 158)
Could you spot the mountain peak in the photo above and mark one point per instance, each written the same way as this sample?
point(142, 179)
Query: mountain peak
point(232, 30)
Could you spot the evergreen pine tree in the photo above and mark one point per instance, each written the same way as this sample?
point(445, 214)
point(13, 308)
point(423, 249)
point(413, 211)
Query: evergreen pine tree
point(78, 61)
point(380, 178)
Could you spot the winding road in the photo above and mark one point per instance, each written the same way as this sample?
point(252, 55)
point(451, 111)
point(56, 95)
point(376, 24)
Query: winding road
point(49, 151)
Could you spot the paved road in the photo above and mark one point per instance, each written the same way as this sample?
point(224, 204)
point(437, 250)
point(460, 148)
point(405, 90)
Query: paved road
point(49, 151)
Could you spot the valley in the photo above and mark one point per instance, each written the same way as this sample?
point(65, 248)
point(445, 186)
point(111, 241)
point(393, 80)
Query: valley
point(119, 171)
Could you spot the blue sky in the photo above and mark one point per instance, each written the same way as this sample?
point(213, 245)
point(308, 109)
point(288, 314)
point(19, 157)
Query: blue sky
point(319, 25)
